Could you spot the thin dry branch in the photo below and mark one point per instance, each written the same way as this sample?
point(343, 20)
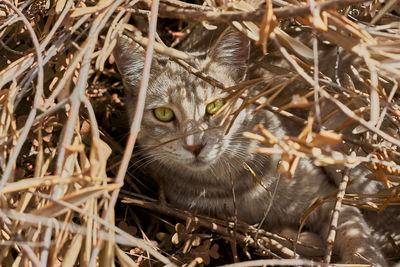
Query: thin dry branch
point(171, 11)
point(74, 53)
point(281, 262)
point(335, 216)
point(75, 97)
point(27, 249)
point(134, 129)
point(349, 113)
point(220, 227)
point(36, 104)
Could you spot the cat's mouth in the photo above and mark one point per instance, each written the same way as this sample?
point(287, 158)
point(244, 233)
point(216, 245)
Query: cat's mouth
point(198, 164)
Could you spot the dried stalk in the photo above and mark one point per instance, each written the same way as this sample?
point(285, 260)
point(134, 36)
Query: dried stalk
point(335, 216)
point(134, 130)
point(220, 227)
point(36, 104)
point(171, 11)
point(63, 33)
point(280, 262)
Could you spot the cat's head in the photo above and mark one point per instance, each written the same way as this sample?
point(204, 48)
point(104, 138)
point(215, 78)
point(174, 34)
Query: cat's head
point(178, 119)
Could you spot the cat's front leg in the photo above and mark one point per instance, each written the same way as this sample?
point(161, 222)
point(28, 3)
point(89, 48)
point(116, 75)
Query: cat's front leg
point(354, 241)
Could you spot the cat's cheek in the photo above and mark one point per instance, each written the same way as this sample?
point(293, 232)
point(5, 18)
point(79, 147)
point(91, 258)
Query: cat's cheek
point(208, 155)
point(237, 124)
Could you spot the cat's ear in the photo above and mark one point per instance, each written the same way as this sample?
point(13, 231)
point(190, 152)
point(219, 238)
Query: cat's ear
point(129, 57)
point(232, 50)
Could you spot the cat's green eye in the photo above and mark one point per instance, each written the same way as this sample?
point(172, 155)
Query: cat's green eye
point(164, 114)
point(213, 107)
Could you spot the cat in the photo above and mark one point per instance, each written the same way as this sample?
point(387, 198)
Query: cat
point(197, 161)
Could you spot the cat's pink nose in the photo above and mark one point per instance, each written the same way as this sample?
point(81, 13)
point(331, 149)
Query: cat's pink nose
point(194, 149)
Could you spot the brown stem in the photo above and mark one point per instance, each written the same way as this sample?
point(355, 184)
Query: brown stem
point(229, 16)
point(335, 216)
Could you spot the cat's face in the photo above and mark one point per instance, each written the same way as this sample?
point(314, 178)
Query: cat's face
point(178, 127)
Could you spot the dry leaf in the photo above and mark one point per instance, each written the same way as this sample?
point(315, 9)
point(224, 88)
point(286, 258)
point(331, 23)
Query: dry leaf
point(382, 176)
point(99, 153)
point(205, 251)
point(75, 198)
point(294, 45)
point(76, 148)
point(298, 101)
point(318, 21)
point(248, 28)
point(268, 25)
point(329, 138)
point(29, 183)
point(129, 229)
point(255, 137)
point(185, 233)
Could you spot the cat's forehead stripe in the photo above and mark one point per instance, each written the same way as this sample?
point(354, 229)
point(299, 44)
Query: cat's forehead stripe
point(189, 88)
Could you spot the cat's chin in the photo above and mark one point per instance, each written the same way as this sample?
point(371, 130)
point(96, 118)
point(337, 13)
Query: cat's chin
point(196, 165)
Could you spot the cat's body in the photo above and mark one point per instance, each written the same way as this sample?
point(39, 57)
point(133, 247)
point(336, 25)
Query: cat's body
point(201, 165)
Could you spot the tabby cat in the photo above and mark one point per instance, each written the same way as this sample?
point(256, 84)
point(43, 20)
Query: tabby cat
point(199, 160)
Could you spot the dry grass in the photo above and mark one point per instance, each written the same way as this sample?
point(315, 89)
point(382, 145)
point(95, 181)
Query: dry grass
point(63, 157)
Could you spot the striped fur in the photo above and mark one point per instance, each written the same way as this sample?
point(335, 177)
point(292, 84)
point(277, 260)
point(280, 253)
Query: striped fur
point(203, 183)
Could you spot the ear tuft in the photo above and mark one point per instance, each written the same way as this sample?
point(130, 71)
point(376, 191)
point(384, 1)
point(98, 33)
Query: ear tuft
point(232, 49)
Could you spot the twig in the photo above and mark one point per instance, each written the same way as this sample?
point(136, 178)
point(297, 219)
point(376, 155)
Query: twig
point(218, 226)
point(200, 74)
point(49, 54)
point(229, 16)
point(374, 95)
point(266, 250)
point(122, 237)
point(28, 250)
point(271, 200)
point(13, 16)
point(335, 215)
point(388, 6)
point(282, 262)
point(349, 113)
point(67, 76)
point(135, 126)
point(57, 24)
point(92, 116)
point(61, 104)
point(233, 241)
point(390, 97)
point(134, 130)
point(15, 69)
point(36, 102)
point(182, 4)
point(317, 109)
point(47, 240)
point(10, 50)
point(291, 61)
point(79, 89)
point(158, 47)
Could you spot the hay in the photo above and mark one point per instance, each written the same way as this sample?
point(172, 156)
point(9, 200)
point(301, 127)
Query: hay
point(60, 106)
